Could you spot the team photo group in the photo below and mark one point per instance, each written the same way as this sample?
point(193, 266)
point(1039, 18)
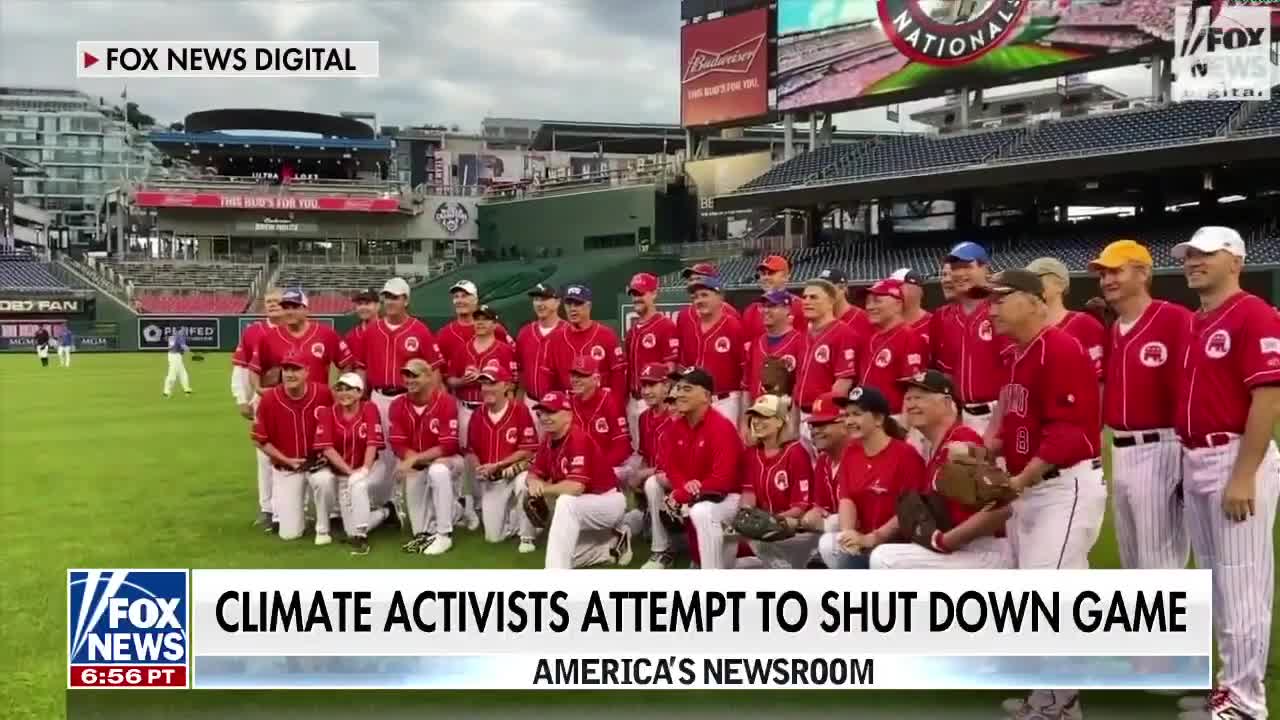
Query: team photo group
point(805, 431)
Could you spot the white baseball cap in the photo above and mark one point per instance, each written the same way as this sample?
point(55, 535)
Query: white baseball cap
point(1211, 239)
point(396, 286)
point(351, 380)
point(466, 286)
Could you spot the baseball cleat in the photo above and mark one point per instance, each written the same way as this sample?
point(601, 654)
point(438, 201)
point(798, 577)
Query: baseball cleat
point(526, 546)
point(416, 544)
point(438, 545)
point(470, 520)
point(263, 521)
point(323, 538)
point(273, 528)
point(359, 545)
point(659, 561)
point(621, 549)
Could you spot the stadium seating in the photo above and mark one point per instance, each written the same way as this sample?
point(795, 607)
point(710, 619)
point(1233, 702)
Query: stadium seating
point(185, 288)
point(194, 303)
point(803, 167)
point(1159, 126)
point(906, 153)
point(23, 275)
point(317, 278)
point(1265, 118)
point(329, 303)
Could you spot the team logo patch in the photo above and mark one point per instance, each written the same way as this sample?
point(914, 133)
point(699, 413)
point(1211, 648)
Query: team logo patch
point(883, 358)
point(1153, 354)
point(509, 436)
point(317, 412)
point(127, 628)
point(790, 362)
point(822, 353)
point(411, 344)
point(965, 31)
point(317, 349)
point(361, 431)
point(602, 425)
point(722, 344)
point(434, 425)
point(597, 352)
point(1218, 344)
point(780, 480)
point(984, 330)
point(453, 424)
point(649, 341)
point(856, 394)
point(1269, 346)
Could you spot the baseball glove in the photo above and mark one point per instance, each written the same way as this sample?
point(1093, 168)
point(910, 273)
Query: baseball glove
point(973, 479)
point(315, 463)
point(758, 524)
point(672, 515)
point(513, 470)
point(921, 516)
point(775, 378)
point(538, 511)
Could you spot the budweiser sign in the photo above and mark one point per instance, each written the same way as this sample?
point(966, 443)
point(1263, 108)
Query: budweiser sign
point(737, 60)
point(726, 69)
point(220, 201)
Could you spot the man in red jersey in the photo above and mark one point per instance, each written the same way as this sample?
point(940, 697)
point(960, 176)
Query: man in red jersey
point(424, 437)
point(584, 336)
point(774, 273)
point(533, 345)
point(247, 400)
point(845, 311)
point(976, 538)
point(651, 339)
point(284, 429)
point(1084, 327)
point(692, 274)
point(598, 411)
point(1228, 407)
point(779, 340)
point(913, 312)
point(1144, 356)
point(455, 335)
point(775, 478)
point(1050, 432)
point(893, 350)
point(830, 361)
point(963, 342)
point(500, 435)
point(715, 343)
point(365, 306)
point(831, 439)
point(590, 524)
point(315, 343)
point(653, 423)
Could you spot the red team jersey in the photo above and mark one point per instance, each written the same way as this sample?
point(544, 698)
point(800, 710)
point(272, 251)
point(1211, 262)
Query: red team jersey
point(468, 357)
point(350, 436)
point(287, 424)
point(654, 424)
point(387, 349)
point(718, 350)
point(960, 433)
point(825, 489)
point(1142, 366)
point(414, 428)
point(533, 355)
point(921, 326)
point(753, 318)
point(780, 482)
point(1232, 350)
point(874, 483)
point(966, 347)
point(454, 336)
point(493, 440)
point(830, 354)
point(597, 341)
point(355, 340)
point(1090, 333)
point(1050, 406)
point(249, 339)
point(886, 357)
point(650, 341)
point(603, 417)
point(574, 457)
point(319, 344)
point(689, 316)
point(791, 347)
point(708, 453)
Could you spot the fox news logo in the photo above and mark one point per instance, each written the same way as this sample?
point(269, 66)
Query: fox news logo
point(1224, 55)
point(127, 628)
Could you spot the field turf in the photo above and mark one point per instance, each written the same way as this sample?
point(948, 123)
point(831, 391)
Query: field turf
point(97, 470)
point(997, 63)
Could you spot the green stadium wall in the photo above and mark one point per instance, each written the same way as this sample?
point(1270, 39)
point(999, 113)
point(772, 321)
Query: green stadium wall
point(564, 225)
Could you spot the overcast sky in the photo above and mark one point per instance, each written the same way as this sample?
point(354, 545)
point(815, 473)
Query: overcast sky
point(442, 61)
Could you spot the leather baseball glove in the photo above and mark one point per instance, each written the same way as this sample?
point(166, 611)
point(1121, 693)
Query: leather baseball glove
point(672, 515)
point(538, 511)
point(513, 470)
point(775, 378)
point(922, 518)
point(315, 463)
point(762, 525)
point(974, 479)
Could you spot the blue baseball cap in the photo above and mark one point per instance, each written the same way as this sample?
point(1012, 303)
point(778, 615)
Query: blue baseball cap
point(293, 296)
point(709, 282)
point(969, 252)
point(577, 293)
point(777, 297)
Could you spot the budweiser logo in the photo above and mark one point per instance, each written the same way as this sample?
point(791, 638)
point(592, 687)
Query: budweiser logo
point(737, 59)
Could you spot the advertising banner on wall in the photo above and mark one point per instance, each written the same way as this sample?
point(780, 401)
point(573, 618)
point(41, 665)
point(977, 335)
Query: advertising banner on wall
point(12, 305)
point(19, 336)
point(724, 69)
point(154, 332)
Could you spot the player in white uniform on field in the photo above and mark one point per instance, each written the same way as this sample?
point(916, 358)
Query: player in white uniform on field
point(177, 372)
point(66, 343)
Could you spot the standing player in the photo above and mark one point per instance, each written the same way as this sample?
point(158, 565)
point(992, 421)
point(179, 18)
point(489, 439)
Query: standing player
point(365, 306)
point(830, 360)
point(247, 400)
point(913, 312)
point(500, 435)
point(845, 311)
point(598, 411)
point(285, 429)
point(693, 274)
point(775, 478)
point(534, 342)
point(1084, 327)
point(42, 345)
point(590, 524)
point(177, 372)
point(1228, 407)
point(774, 273)
point(946, 284)
point(454, 336)
point(651, 339)
point(316, 343)
point(779, 340)
point(584, 336)
point(424, 436)
point(894, 350)
point(66, 343)
point(1049, 430)
point(715, 343)
point(1144, 357)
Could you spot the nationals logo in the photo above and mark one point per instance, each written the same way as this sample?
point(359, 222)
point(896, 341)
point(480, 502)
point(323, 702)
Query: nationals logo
point(967, 31)
point(452, 216)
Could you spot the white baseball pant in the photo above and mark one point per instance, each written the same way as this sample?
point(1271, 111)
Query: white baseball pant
point(242, 391)
point(794, 552)
point(635, 406)
point(716, 549)
point(501, 514)
point(177, 373)
point(805, 435)
point(582, 529)
point(288, 499)
point(42, 352)
point(984, 553)
point(360, 498)
point(979, 423)
point(655, 491)
point(729, 406)
point(828, 545)
point(1242, 558)
point(1147, 504)
point(432, 495)
point(471, 489)
point(64, 355)
point(386, 457)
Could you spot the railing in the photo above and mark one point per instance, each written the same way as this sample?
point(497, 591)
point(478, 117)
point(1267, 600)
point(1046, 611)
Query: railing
point(643, 175)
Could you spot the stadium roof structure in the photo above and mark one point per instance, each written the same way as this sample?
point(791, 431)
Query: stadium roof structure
point(325, 133)
point(334, 126)
point(652, 139)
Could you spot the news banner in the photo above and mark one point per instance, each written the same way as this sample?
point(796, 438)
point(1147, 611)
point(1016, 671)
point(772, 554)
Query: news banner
point(580, 629)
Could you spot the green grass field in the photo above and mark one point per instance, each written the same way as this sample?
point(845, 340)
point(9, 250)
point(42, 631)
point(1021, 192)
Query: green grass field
point(97, 470)
point(997, 63)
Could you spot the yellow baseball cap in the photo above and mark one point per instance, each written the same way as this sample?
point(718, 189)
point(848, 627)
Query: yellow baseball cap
point(1120, 252)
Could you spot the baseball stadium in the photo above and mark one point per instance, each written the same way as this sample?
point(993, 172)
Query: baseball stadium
point(133, 312)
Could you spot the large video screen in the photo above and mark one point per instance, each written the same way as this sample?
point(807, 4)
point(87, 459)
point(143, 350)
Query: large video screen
point(855, 53)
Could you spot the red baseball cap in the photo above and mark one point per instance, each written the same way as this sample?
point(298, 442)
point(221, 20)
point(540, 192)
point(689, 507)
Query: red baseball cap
point(704, 269)
point(584, 365)
point(825, 409)
point(642, 283)
point(294, 358)
point(888, 287)
point(495, 373)
point(774, 263)
point(553, 402)
point(654, 372)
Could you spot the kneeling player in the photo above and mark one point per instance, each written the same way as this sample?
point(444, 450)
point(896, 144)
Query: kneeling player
point(976, 537)
point(424, 436)
point(776, 479)
point(350, 436)
point(283, 429)
point(831, 438)
point(501, 441)
point(590, 524)
point(651, 426)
